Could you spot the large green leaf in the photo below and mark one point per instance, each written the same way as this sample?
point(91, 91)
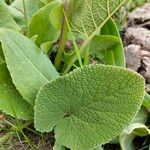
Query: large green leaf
point(40, 24)
point(11, 102)
point(29, 67)
point(89, 106)
point(6, 20)
point(90, 15)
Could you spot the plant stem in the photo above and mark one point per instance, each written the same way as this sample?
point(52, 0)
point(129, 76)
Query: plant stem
point(74, 42)
point(86, 58)
point(86, 42)
point(25, 15)
point(64, 31)
point(10, 1)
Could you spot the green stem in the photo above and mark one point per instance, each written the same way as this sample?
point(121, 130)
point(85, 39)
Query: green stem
point(25, 15)
point(87, 58)
point(86, 42)
point(74, 42)
point(64, 31)
point(28, 141)
point(10, 1)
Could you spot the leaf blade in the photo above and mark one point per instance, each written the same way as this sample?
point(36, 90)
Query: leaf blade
point(10, 100)
point(29, 67)
point(77, 107)
point(117, 53)
point(6, 20)
point(40, 25)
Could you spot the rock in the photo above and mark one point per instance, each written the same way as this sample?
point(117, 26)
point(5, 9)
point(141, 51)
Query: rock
point(146, 68)
point(133, 57)
point(137, 41)
point(148, 88)
point(139, 16)
point(139, 36)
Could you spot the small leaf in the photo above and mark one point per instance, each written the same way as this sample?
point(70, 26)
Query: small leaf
point(40, 25)
point(29, 67)
point(6, 20)
point(89, 106)
point(135, 129)
point(114, 55)
point(146, 101)
point(101, 43)
point(11, 102)
point(127, 135)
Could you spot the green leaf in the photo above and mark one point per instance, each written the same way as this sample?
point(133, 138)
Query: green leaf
point(146, 101)
point(58, 146)
point(89, 16)
point(6, 20)
point(31, 7)
point(11, 102)
point(141, 117)
point(115, 55)
point(89, 106)
point(29, 67)
point(102, 42)
point(40, 25)
point(98, 148)
point(56, 16)
point(2, 59)
point(46, 1)
point(136, 129)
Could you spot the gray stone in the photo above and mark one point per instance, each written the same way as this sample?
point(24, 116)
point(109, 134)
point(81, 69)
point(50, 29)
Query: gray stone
point(133, 56)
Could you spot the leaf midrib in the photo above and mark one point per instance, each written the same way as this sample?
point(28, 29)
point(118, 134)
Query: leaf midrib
point(86, 42)
point(30, 62)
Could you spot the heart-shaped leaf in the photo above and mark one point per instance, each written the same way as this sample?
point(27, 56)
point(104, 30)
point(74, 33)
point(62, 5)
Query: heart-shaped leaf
point(29, 67)
point(89, 106)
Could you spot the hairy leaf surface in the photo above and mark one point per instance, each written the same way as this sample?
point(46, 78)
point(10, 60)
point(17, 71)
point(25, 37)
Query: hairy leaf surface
point(29, 67)
point(11, 102)
point(90, 15)
point(17, 10)
point(89, 106)
point(6, 20)
point(40, 25)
